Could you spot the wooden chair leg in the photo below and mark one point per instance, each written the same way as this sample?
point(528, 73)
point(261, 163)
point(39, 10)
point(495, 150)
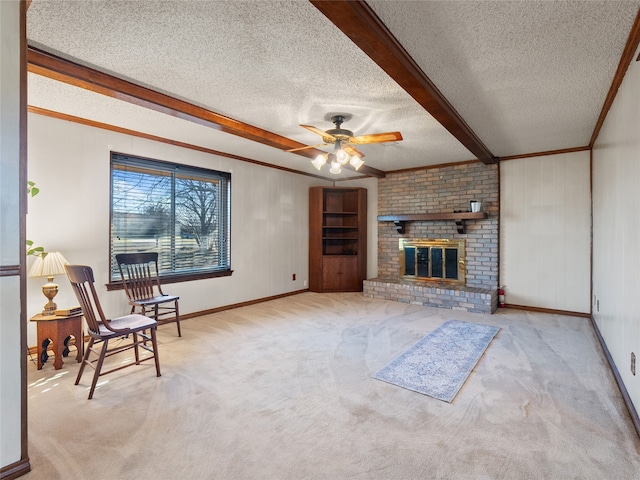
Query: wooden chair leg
point(135, 348)
point(155, 350)
point(96, 374)
point(85, 359)
point(178, 319)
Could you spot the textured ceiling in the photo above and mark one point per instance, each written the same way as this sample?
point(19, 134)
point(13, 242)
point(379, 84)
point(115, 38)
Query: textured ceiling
point(525, 76)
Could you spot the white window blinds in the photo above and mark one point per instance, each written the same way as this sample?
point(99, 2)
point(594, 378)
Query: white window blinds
point(181, 212)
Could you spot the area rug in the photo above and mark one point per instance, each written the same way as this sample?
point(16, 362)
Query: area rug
point(439, 363)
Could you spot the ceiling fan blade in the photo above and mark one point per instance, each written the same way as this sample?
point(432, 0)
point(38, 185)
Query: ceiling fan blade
point(317, 131)
point(353, 151)
point(308, 146)
point(377, 138)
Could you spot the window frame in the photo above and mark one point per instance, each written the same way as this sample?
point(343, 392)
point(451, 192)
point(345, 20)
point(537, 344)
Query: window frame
point(166, 166)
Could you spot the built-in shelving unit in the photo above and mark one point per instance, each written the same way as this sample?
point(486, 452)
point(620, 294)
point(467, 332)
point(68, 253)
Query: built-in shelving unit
point(458, 217)
point(337, 239)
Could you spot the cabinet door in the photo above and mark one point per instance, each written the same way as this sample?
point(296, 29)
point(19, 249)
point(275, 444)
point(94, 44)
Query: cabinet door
point(340, 273)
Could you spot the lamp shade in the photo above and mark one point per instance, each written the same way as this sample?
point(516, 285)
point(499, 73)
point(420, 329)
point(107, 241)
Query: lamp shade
point(48, 265)
point(356, 162)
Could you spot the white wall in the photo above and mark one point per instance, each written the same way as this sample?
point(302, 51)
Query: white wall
point(616, 229)
point(70, 164)
point(545, 231)
point(11, 361)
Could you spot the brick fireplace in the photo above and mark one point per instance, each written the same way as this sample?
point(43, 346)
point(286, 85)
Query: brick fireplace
point(439, 190)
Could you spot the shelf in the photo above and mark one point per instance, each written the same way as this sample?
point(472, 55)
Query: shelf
point(337, 239)
point(432, 216)
point(458, 217)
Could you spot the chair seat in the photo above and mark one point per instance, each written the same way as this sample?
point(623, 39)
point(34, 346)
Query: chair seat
point(134, 322)
point(155, 300)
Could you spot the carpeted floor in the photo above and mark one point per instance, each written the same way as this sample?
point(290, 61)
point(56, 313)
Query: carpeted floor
point(283, 390)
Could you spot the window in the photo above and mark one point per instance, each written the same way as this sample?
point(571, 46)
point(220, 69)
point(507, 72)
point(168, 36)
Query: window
point(181, 212)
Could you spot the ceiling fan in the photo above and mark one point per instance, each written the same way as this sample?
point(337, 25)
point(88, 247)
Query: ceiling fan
point(344, 152)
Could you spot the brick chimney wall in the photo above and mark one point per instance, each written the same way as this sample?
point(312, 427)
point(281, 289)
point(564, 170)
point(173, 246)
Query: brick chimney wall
point(442, 189)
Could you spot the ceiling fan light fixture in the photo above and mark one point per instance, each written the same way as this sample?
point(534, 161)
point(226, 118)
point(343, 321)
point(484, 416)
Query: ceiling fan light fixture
point(334, 161)
point(336, 168)
point(356, 162)
point(349, 155)
point(319, 161)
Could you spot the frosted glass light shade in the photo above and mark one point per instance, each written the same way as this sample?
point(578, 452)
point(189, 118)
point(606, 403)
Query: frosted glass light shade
point(337, 160)
point(319, 161)
point(336, 168)
point(342, 157)
point(356, 162)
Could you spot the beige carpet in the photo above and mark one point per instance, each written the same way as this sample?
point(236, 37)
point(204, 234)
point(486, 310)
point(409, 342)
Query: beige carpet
point(283, 390)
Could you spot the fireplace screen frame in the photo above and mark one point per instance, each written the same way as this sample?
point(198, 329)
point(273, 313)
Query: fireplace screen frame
point(441, 244)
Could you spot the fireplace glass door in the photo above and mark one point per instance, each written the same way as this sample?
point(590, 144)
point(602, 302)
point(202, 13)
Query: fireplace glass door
point(433, 260)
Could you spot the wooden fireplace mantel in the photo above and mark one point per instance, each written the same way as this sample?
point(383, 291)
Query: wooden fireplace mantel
point(459, 217)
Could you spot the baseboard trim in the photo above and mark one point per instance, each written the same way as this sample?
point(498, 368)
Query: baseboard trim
point(15, 470)
point(241, 304)
point(548, 310)
point(623, 389)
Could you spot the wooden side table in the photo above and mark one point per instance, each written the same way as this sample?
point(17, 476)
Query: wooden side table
point(58, 328)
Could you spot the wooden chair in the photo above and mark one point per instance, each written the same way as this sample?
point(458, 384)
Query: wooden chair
point(102, 330)
point(139, 272)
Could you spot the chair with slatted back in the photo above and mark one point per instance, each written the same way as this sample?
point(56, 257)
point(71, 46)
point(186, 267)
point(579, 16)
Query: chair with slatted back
point(103, 330)
point(141, 280)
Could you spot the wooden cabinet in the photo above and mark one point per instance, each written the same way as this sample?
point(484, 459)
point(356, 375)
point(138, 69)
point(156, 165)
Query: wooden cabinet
point(337, 239)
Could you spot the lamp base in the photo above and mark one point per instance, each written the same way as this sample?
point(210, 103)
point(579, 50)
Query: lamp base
point(50, 290)
point(50, 308)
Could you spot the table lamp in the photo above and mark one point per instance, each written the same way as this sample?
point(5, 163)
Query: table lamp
point(48, 265)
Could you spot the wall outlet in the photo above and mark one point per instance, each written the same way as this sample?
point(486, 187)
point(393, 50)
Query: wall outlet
point(633, 363)
point(305, 283)
point(293, 277)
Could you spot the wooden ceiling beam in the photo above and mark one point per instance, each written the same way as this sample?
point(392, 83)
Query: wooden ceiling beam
point(57, 68)
point(359, 22)
point(155, 138)
point(66, 71)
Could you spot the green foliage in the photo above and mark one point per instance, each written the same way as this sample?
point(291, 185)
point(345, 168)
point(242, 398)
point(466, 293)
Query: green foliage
point(31, 250)
point(32, 190)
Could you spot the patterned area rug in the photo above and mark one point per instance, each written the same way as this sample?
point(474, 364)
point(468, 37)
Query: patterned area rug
point(439, 364)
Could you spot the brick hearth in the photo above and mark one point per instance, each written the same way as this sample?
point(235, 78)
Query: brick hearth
point(471, 299)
